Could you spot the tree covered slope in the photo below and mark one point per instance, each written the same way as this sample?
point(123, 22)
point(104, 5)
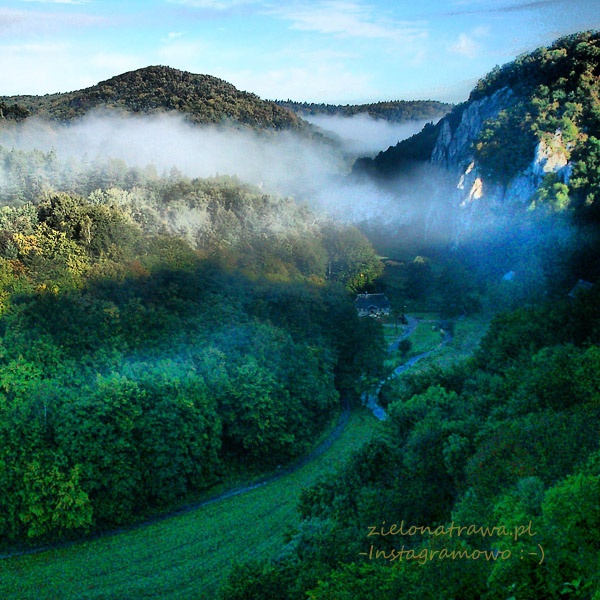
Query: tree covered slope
point(529, 132)
point(484, 481)
point(202, 98)
point(159, 333)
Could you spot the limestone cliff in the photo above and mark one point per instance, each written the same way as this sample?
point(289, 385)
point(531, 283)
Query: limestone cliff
point(473, 197)
point(453, 148)
point(526, 145)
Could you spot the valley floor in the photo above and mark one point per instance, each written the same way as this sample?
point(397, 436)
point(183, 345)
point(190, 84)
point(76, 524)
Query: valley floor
point(187, 556)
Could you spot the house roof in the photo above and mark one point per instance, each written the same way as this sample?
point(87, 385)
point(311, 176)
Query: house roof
point(367, 301)
point(580, 286)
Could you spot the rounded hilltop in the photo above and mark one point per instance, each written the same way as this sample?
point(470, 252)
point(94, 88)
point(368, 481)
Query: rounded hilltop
point(203, 99)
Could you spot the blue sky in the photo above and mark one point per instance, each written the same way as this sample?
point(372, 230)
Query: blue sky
point(338, 51)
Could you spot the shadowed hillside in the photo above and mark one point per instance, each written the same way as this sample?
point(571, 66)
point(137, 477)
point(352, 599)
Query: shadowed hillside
point(202, 98)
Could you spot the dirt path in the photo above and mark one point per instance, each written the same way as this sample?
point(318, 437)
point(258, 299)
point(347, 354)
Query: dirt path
point(410, 328)
point(370, 398)
point(295, 466)
point(282, 472)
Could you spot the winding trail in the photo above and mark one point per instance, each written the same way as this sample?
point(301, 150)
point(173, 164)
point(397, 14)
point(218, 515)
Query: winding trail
point(410, 329)
point(370, 398)
point(143, 563)
point(282, 472)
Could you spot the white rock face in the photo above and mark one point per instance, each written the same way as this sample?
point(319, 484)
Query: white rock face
point(551, 158)
point(453, 148)
point(473, 200)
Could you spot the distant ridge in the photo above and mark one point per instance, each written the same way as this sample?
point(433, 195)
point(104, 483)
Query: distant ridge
point(395, 111)
point(202, 99)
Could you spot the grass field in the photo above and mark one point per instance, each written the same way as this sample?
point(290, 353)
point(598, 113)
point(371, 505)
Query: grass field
point(467, 335)
point(185, 557)
point(423, 339)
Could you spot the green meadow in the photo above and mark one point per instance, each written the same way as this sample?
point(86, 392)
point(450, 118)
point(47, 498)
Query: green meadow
point(186, 556)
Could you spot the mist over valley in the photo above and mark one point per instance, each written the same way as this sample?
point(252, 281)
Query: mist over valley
point(212, 307)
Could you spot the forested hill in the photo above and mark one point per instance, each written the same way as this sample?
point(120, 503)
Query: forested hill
point(158, 333)
point(530, 132)
point(396, 111)
point(202, 98)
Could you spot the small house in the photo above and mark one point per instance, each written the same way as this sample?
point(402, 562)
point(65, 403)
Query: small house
point(581, 287)
point(372, 305)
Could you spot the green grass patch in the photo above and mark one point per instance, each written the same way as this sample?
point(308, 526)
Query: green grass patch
point(468, 332)
point(467, 335)
point(426, 316)
point(392, 332)
point(424, 339)
point(184, 557)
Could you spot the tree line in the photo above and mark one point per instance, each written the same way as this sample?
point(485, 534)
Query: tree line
point(161, 337)
point(396, 111)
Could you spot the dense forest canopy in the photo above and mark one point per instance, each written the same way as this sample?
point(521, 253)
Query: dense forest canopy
point(484, 480)
point(162, 333)
point(506, 440)
point(159, 333)
point(201, 98)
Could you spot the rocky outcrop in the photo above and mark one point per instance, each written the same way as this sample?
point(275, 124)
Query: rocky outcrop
point(453, 149)
point(458, 208)
point(473, 199)
point(551, 157)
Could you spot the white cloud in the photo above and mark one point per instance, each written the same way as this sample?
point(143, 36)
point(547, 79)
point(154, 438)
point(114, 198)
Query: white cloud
point(59, 1)
point(214, 4)
point(467, 44)
point(349, 19)
point(489, 6)
point(24, 22)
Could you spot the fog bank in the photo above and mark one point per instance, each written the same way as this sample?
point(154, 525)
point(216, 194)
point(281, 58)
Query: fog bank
point(363, 135)
point(415, 210)
point(285, 163)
